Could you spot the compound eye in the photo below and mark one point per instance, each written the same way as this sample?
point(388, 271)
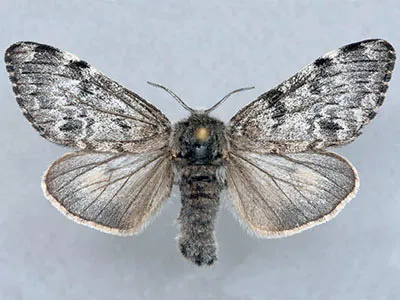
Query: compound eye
point(202, 134)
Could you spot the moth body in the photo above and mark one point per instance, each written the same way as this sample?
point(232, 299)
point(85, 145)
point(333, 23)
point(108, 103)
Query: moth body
point(199, 143)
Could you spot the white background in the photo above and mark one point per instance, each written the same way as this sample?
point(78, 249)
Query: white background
point(201, 50)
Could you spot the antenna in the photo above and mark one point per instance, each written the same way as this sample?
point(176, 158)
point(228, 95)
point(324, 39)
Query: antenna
point(207, 111)
point(173, 95)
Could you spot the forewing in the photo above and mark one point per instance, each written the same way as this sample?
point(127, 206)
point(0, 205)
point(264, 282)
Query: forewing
point(72, 104)
point(325, 104)
point(280, 195)
point(115, 193)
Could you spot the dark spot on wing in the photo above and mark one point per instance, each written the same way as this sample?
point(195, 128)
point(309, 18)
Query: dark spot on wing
point(28, 117)
point(279, 110)
point(121, 123)
point(46, 48)
point(315, 87)
point(119, 147)
point(12, 48)
point(20, 101)
point(78, 65)
point(391, 56)
point(390, 66)
point(387, 77)
point(329, 125)
point(380, 100)
point(119, 110)
point(387, 45)
point(323, 62)
point(40, 129)
point(85, 90)
point(13, 79)
point(72, 125)
point(353, 47)
point(90, 122)
point(278, 113)
point(371, 115)
point(45, 103)
point(90, 146)
point(10, 68)
point(272, 96)
point(383, 88)
point(124, 126)
point(15, 89)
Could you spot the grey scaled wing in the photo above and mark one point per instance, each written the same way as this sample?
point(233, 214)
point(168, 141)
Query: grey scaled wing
point(327, 103)
point(112, 192)
point(280, 178)
point(123, 175)
point(280, 195)
point(73, 104)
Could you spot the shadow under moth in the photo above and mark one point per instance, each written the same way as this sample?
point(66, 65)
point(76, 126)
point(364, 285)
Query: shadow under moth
point(270, 157)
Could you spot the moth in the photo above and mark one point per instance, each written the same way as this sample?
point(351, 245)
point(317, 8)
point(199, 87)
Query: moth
point(270, 157)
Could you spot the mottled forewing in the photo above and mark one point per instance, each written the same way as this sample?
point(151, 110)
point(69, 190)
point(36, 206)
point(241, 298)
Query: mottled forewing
point(280, 195)
point(325, 104)
point(73, 104)
point(115, 193)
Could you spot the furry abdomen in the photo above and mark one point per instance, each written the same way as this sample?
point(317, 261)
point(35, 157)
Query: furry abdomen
point(200, 191)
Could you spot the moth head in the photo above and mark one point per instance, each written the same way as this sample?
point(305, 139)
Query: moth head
point(200, 139)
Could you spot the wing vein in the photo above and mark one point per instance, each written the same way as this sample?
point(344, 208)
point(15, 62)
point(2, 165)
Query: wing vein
point(98, 196)
point(81, 153)
point(80, 174)
point(285, 181)
point(246, 178)
point(111, 112)
point(305, 165)
point(154, 171)
point(98, 84)
point(130, 174)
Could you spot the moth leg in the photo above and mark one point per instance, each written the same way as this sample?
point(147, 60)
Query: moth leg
point(225, 155)
point(173, 154)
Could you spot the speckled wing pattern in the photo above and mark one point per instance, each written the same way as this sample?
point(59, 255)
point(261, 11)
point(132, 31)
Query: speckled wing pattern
point(325, 104)
point(123, 174)
point(281, 180)
point(73, 104)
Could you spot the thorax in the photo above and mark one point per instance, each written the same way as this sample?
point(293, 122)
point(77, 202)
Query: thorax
point(199, 147)
point(199, 140)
